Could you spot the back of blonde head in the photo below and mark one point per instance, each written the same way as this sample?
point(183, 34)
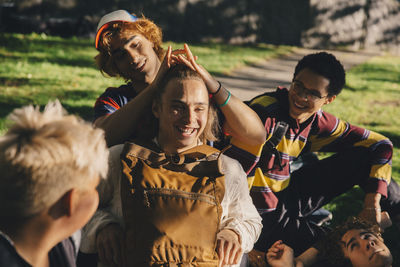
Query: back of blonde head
point(42, 156)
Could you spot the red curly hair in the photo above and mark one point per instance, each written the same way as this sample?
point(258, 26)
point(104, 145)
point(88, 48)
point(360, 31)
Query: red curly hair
point(147, 28)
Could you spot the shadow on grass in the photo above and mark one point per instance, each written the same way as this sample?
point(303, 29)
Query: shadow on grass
point(345, 205)
point(16, 82)
point(85, 112)
point(22, 43)
point(58, 60)
point(6, 108)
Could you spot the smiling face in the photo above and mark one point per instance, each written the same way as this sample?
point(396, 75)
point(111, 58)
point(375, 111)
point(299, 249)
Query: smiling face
point(135, 58)
point(365, 249)
point(182, 114)
point(308, 93)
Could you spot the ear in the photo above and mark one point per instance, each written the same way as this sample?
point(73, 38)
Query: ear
point(155, 108)
point(330, 99)
point(65, 205)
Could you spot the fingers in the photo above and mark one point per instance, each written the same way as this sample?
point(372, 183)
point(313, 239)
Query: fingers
point(276, 250)
point(220, 251)
point(236, 255)
point(185, 61)
point(189, 53)
point(229, 252)
point(168, 56)
point(178, 51)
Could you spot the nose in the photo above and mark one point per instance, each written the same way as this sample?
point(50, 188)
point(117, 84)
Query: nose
point(133, 56)
point(188, 116)
point(303, 95)
point(370, 244)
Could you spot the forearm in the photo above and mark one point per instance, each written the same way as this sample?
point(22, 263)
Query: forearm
point(241, 121)
point(372, 201)
point(121, 124)
point(372, 209)
point(307, 258)
point(239, 213)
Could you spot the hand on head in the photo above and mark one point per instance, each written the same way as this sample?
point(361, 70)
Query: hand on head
point(185, 56)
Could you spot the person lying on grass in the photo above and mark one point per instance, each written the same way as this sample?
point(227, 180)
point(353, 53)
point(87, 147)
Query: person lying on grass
point(356, 243)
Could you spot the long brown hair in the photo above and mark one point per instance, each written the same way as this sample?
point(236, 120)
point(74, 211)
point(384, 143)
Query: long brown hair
point(181, 72)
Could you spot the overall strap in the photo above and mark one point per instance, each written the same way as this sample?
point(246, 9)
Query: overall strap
point(270, 146)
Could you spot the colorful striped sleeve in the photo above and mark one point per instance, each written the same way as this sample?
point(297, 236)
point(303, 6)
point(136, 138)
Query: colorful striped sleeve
point(248, 156)
point(334, 135)
point(109, 102)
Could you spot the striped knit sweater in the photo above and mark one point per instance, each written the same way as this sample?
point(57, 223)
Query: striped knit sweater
point(321, 132)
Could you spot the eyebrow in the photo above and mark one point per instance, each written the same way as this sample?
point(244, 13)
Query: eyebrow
point(350, 241)
point(311, 89)
point(127, 41)
point(360, 234)
point(181, 102)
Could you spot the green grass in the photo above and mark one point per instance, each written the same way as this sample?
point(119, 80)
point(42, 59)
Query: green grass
point(35, 68)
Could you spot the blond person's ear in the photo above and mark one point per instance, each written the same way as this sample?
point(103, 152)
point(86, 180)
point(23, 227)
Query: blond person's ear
point(65, 205)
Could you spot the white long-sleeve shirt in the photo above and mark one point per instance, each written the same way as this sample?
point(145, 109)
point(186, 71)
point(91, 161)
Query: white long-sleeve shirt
point(238, 211)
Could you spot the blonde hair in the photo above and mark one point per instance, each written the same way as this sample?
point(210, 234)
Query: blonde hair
point(124, 30)
point(42, 156)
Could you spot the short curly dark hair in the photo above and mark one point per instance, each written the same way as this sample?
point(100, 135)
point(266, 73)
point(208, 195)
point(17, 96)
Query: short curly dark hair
point(324, 64)
point(331, 247)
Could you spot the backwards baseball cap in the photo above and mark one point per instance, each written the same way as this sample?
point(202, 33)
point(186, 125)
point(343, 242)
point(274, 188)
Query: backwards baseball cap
point(115, 16)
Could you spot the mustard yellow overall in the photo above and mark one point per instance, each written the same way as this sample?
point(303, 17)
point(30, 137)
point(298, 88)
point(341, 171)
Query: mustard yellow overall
point(171, 205)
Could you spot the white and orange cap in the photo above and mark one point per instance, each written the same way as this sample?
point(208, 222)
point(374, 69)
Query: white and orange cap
point(115, 16)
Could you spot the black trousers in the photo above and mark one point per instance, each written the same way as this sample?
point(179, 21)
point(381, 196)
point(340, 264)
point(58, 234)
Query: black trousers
point(313, 186)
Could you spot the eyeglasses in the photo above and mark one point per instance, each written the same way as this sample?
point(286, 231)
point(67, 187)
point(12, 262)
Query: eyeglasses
point(302, 91)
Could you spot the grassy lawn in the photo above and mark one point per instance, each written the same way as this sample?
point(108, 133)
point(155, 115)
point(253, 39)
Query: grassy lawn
point(35, 68)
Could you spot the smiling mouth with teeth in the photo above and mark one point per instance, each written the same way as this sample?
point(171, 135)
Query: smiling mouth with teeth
point(186, 131)
point(297, 105)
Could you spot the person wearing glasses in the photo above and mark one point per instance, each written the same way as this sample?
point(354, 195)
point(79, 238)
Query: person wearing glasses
point(296, 125)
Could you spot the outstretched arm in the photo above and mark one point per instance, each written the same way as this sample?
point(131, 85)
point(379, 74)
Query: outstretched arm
point(241, 121)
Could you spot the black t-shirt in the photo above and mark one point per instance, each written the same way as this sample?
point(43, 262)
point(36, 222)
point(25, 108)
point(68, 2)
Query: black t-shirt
point(62, 255)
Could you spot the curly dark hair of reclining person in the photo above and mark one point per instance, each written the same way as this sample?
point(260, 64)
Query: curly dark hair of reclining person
point(331, 247)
